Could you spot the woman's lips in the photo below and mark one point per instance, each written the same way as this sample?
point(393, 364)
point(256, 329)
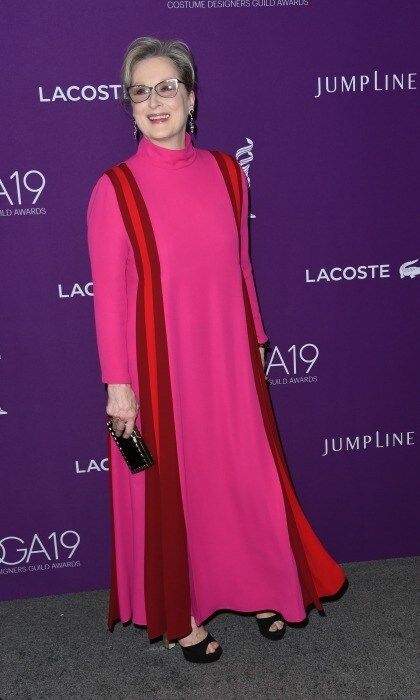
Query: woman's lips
point(158, 119)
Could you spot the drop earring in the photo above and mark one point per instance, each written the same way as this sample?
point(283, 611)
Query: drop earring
point(191, 124)
point(135, 129)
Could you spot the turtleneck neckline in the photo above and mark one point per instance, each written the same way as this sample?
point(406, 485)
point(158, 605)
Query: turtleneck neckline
point(171, 158)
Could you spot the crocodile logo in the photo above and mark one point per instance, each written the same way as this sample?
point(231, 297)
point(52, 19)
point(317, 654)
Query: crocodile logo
point(410, 269)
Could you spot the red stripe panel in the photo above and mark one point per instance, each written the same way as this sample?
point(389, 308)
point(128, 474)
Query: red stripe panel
point(113, 607)
point(167, 595)
point(319, 574)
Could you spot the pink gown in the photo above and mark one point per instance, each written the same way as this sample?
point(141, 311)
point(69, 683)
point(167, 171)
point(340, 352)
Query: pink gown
point(239, 551)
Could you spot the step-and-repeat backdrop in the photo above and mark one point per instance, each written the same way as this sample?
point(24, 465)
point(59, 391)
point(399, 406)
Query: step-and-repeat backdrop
point(316, 99)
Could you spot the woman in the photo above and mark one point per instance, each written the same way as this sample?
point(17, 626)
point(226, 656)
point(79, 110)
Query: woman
point(215, 523)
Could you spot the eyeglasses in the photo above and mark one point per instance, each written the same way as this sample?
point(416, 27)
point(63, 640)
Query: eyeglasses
point(166, 88)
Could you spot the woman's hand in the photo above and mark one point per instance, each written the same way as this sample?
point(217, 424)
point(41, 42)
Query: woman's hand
point(262, 352)
point(122, 407)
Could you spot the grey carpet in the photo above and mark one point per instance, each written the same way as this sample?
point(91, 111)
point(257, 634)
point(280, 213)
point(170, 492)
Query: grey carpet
point(58, 647)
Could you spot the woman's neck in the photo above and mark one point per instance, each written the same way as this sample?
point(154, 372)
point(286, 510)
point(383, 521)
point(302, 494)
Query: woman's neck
point(165, 157)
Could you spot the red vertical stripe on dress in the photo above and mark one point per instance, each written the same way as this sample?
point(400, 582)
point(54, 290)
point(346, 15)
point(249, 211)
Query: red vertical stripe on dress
point(167, 593)
point(113, 605)
point(319, 575)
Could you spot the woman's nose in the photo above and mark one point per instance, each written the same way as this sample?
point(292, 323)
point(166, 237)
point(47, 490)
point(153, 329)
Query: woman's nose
point(154, 99)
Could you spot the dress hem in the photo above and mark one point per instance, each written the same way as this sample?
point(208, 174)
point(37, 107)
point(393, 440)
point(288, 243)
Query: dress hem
point(202, 620)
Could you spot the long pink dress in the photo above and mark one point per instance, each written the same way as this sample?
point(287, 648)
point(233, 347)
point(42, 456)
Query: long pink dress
point(239, 551)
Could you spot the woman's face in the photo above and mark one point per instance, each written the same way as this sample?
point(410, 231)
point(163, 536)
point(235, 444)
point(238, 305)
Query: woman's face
point(171, 132)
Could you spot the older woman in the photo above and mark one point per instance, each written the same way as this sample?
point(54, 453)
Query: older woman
point(215, 523)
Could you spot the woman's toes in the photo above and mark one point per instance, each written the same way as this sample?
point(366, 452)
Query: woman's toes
point(211, 648)
point(277, 625)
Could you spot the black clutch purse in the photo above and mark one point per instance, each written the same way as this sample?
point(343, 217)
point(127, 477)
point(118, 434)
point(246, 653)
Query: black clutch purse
point(133, 449)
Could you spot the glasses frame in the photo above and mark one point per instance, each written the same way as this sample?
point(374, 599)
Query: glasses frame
point(153, 87)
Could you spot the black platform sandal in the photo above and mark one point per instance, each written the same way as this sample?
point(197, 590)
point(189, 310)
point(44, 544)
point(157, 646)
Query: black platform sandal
point(197, 652)
point(264, 624)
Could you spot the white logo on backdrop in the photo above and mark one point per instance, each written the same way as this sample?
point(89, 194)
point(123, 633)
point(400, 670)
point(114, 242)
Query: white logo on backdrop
point(51, 549)
point(22, 193)
point(297, 366)
point(77, 290)
point(409, 269)
point(244, 156)
point(362, 272)
point(366, 83)
point(239, 5)
point(364, 442)
point(92, 466)
point(75, 93)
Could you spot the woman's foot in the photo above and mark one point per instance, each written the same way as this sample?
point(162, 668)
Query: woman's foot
point(197, 635)
point(277, 625)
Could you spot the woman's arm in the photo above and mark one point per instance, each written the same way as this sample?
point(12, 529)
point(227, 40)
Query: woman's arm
point(108, 246)
point(246, 263)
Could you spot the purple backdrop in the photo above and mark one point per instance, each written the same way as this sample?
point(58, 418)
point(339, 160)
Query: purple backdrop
point(333, 196)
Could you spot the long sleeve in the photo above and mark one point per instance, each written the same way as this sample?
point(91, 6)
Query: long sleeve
point(108, 246)
point(247, 265)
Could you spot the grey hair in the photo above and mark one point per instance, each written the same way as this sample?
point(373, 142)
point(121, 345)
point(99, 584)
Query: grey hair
point(148, 46)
